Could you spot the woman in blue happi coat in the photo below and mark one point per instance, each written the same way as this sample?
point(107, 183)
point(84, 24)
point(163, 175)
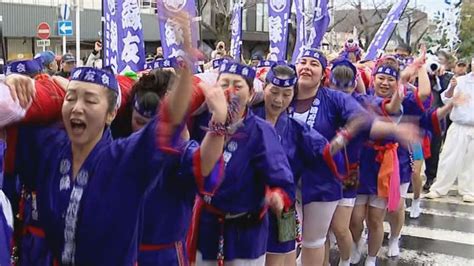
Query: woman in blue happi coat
point(231, 225)
point(333, 114)
point(91, 189)
point(343, 77)
point(305, 148)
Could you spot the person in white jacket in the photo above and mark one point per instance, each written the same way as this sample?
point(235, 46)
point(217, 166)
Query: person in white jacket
point(457, 157)
point(94, 59)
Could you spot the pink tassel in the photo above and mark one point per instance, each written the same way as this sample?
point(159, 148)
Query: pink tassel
point(394, 193)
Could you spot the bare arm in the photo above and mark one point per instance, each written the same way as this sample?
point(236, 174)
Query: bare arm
point(394, 106)
point(213, 144)
point(424, 85)
point(452, 85)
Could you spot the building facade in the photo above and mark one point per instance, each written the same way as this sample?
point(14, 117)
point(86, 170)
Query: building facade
point(21, 19)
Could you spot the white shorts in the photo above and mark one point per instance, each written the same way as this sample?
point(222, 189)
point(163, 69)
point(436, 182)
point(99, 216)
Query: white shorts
point(404, 190)
point(373, 200)
point(347, 202)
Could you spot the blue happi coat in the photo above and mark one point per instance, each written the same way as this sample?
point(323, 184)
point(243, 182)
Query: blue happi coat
point(254, 160)
point(329, 112)
point(94, 218)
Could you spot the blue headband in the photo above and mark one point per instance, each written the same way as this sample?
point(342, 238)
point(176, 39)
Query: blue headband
point(404, 61)
point(238, 69)
point(343, 62)
point(387, 70)
point(142, 110)
point(316, 55)
point(266, 63)
point(97, 76)
point(24, 67)
point(165, 63)
point(271, 78)
point(217, 62)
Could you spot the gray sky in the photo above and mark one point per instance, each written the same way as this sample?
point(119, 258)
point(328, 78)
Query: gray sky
point(429, 6)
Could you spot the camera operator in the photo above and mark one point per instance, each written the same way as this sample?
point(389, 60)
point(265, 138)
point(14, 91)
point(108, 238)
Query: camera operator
point(439, 79)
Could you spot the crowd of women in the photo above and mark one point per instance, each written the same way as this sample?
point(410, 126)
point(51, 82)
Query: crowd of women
point(236, 166)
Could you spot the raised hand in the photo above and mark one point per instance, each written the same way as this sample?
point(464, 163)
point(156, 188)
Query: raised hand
point(22, 89)
point(453, 82)
point(216, 101)
point(98, 46)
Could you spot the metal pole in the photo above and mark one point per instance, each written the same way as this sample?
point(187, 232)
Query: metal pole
point(78, 31)
point(64, 45)
point(3, 55)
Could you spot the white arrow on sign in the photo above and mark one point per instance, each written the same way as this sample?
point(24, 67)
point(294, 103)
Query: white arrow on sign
point(64, 28)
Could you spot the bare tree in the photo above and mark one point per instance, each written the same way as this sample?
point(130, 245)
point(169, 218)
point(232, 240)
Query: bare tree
point(221, 10)
point(413, 19)
point(369, 20)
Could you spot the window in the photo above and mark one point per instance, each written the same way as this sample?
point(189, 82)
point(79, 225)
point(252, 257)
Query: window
point(244, 19)
point(262, 16)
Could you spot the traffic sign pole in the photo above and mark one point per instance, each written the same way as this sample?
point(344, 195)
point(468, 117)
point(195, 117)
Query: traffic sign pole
point(78, 32)
point(64, 12)
point(64, 45)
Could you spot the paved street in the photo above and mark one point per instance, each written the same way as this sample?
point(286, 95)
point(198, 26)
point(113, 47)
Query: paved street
point(442, 235)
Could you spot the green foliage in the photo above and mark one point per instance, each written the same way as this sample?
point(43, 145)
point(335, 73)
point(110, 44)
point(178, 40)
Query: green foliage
point(466, 49)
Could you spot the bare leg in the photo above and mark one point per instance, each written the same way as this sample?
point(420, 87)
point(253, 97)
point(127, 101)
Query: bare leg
point(375, 225)
point(416, 179)
point(340, 226)
point(416, 182)
point(327, 247)
point(281, 259)
point(356, 227)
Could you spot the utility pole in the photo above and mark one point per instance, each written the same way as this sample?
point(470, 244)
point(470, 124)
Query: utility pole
point(78, 30)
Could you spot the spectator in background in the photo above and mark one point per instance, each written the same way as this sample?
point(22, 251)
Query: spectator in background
point(439, 83)
point(47, 59)
point(95, 58)
point(457, 157)
point(351, 51)
point(256, 58)
point(446, 59)
point(159, 53)
point(460, 69)
point(403, 50)
point(68, 63)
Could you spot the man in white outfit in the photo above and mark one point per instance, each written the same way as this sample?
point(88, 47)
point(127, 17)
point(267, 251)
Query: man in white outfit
point(457, 157)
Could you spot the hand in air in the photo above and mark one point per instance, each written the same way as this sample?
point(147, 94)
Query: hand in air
point(216, 101)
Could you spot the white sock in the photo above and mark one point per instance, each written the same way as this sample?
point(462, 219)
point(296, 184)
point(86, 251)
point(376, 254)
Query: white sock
point(344, 262)
point(370, 261)
point(355, 254)
point(393, 238)
point(393, 248)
